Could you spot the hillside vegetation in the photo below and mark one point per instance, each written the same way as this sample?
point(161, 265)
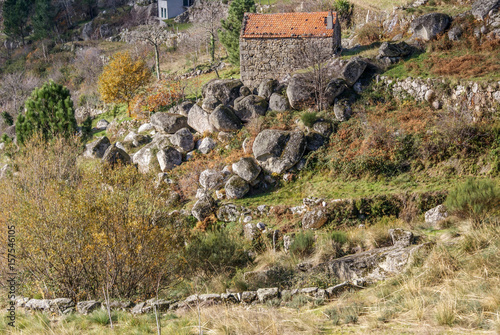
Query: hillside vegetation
point(157, 194)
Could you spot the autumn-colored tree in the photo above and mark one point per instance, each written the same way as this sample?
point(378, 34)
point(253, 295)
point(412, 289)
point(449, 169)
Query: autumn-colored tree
point(156, 98)
point(82, 229)
point(122, 77)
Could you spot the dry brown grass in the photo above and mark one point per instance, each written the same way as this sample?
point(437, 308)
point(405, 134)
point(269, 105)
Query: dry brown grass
point(465, 66)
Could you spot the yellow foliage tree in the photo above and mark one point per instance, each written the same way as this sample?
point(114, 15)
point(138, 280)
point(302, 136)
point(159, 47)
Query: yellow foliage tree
point(122, 77)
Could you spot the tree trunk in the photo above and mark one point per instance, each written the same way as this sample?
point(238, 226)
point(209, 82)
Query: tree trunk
point(157, 61)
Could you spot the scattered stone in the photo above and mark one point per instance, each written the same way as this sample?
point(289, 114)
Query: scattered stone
point(436, 215)
point(481, 8)
point(455, 33)
point(206, 145)
point(236, 188)
point(314, 219)
point(102, 124)
point(145, 158)
point(228, 213)
point(400, 237)
point(323, 128)
point(333, 89)
point(86, 307)
point(401, 49)
point(203, 208)
point(266, 294)
point(97, 148)
point(266, 88)
point(353, 70)
point(248, 297)
point(245, 91)
point(210, 103)
point(38, 305)
point(224, 90)
point(247, 169)
point(183, 108)
point(300, 91)
point(168, 123)
point(314, 141)
point(428, 26)
point(138, 309)
point(250, 231)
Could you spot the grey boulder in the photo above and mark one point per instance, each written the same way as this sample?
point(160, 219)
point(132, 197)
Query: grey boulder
point(353, 70)
point(86, 307)
point(211, 179)
point(436, 215)
point(168, 158)
point(223, 118)
point(276, 151)
point(206, 145)
point(145, 158)
point(333, 89)
point(168, 123)
point(224, 90)
point(97, 148)
point(266, 88)
point(314, 219)
point(203, 208)
point(247, 169)
point(115, 155)
point(183, 140)
point(250, 107)
point(300, 91)
point(183, 108)
point(236, 188)
point(428, 26)
point(401, 49)
point(278, 103)
point(199, 120)
point(102, 124)
point(481, 8)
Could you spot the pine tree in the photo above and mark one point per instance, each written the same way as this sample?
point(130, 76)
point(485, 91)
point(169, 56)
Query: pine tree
point(43, 18)
point(231, 28)
point(49, 111)
point(7, 118)
point(16, 15)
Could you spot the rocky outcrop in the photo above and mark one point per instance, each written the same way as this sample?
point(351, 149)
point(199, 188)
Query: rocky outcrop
point(314, 219)
point(481, 8)
point(428, 26)
point(224, 90)
point(277, 151)
point(168, 123)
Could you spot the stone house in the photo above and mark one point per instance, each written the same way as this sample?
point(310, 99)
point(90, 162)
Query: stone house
point(168, 9)
point(270, 43)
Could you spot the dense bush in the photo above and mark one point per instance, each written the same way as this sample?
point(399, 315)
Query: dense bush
point(82, 229)
point(309, 118)
point(475, 199)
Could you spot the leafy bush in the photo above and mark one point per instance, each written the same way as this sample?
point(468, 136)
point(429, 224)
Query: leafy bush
point(7, 118)
point(339, 236)
point(303, 243)
point(475, 199)
point(309, 118)
point(345, 10)
point(369, 33)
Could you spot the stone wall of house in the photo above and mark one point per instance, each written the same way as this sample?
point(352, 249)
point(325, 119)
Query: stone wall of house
point(263, 58)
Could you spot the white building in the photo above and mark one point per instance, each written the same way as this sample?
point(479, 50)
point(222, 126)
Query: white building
point(168, 9)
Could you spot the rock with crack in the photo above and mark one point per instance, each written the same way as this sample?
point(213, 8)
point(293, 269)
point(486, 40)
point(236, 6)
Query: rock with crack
point(115, 155)
point(277, 151)
point(300, 91)
point(481, 8)
point(86, 307)
point(373, 265)
point(183, 108)
point(353, 70)
point(266, 294)
point(436, 215)
point(228, 213)
point(168, 158)
point(183, 140)
point(97, 148)
point(315, 219)
point(278, 103)
point(266, 88)
point(211, 179)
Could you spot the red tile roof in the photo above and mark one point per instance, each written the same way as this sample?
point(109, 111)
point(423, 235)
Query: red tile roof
point(287, 25)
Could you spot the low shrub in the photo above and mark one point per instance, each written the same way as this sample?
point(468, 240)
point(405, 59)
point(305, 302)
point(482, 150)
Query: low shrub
point(303, 243)
point(309, 118)
point(474, 199)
